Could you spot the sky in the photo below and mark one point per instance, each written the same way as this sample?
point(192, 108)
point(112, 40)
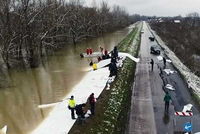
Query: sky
point(155, 7)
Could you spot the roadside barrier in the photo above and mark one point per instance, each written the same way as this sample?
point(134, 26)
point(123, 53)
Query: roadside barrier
point(183, 113)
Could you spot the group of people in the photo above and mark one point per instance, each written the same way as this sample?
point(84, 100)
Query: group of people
point(167, 97)
point(80, 109)
point(89, 50)
point(104, 56)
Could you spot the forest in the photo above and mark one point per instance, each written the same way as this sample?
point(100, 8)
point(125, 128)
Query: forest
point(30, 29)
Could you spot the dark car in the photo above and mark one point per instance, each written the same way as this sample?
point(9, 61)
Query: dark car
point(151, 38)
point(155, 49)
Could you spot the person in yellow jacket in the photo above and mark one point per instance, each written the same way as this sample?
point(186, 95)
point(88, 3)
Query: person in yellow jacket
point(94, 66)
point(72, 106)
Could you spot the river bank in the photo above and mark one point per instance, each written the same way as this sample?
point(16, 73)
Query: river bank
point(113, 105)
point(51, 82)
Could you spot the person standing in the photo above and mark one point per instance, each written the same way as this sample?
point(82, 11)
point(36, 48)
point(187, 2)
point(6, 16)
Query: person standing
point(101, 48)
point(90, 50)
point(113, 69)
point(164, 61)
point(152, 63)
point(115, 52)
point(87, 51)
point(92, 103)
point(94, 66)
point(72, 106)
point(167, 99)
point(106, 53)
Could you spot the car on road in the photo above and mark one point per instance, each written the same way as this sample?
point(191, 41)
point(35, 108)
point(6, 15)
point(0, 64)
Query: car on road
point(155, 49)
point(151, 38)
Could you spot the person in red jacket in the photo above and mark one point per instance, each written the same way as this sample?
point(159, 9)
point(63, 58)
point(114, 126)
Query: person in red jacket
point(92, 103)
point(99, 58)
point(90, 50)
point(87, 51)
point(106, 52)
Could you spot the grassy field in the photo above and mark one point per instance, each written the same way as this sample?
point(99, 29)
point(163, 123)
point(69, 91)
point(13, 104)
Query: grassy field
point(113, 105)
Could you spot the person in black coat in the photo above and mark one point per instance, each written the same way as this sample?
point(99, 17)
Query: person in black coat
point(164, 61)
point(113, 69)
point(115, 52)
point(152, 63)
point(80, 112)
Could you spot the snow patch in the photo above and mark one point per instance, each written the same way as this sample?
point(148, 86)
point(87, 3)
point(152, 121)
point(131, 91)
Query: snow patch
point(169, 71)
point(170, 87)
point(187, 108)
point(160, 57)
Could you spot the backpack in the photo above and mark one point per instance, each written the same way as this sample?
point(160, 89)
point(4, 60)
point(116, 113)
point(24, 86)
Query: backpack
point(69, 107)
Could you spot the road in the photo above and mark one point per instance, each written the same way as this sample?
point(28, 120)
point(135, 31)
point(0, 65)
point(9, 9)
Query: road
point(147, 115)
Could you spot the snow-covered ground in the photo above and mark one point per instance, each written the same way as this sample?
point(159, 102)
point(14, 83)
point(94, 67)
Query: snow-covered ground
point(192, 79)
point(59, 120)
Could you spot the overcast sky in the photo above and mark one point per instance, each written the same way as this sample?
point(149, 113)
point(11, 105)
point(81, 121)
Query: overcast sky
point(156, 7)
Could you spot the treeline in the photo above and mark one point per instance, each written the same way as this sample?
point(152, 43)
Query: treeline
point(30, 29)
point(182, 38)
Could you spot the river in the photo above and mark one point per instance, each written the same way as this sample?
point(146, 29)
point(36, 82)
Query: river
point(50, 82)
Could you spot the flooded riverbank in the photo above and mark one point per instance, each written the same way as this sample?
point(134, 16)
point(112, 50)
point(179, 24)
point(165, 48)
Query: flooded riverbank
point(46, 84)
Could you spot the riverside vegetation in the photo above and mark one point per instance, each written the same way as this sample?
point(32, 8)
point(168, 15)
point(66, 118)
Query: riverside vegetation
point(31, 29)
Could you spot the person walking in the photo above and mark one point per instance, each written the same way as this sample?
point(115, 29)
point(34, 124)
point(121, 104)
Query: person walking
point(72, 106)
point(152, 63)
point(164, 61)
point(80, 112)
point(92, 103)
point(167, 99)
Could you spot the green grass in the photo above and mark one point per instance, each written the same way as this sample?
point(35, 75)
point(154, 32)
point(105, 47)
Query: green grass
point(115, 116)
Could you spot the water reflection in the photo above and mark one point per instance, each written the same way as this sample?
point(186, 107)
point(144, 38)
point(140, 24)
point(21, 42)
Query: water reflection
point(23, 90)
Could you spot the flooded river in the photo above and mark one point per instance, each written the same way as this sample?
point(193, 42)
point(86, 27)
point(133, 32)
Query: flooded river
point(50, 82)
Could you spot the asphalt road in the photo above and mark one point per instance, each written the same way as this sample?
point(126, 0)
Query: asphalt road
point(147, 115)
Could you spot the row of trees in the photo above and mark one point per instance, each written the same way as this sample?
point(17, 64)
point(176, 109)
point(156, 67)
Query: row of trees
point(183, 38)
point(31, 28)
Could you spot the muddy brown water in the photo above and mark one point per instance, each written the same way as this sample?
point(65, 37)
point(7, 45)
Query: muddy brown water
point(50, 82)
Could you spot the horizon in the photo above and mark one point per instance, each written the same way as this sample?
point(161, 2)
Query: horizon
point(165, 8)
